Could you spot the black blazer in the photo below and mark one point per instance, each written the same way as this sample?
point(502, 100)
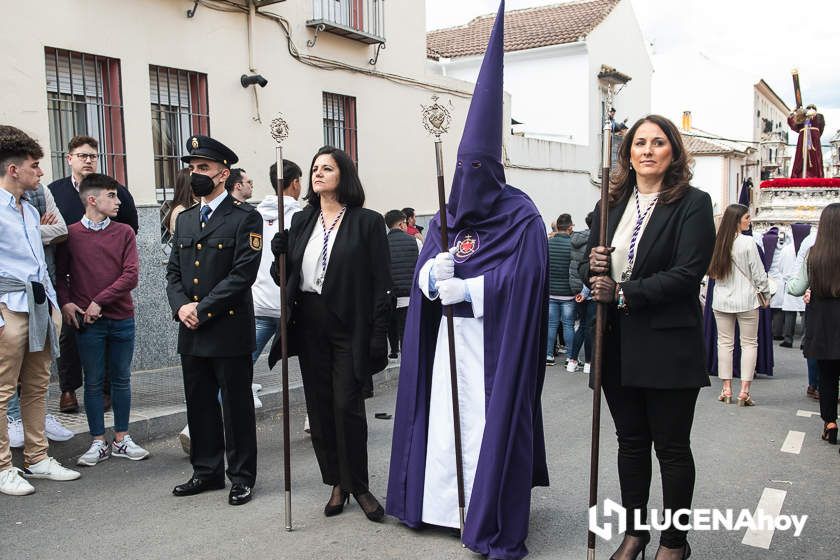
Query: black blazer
point(70, 205)
point(356, 286)
point(216, 267)
point(661, 333)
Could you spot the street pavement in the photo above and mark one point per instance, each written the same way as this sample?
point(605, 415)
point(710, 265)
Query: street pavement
point(123, 509)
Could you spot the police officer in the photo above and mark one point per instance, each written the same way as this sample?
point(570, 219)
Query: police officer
point(214, 261)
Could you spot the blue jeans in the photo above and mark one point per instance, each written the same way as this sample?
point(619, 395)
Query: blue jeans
point(813, 374)
point(561, 312)
point(13, 410)
point(583, 335)
point(119, 336)
point(266, 328)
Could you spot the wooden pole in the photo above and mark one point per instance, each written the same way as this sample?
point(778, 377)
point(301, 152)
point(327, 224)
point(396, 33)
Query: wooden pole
point(600, 326)
point(284, 345)
point(450, 324)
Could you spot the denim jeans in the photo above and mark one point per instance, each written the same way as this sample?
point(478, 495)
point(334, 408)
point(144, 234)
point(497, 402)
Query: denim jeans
point(813, 374)
point(119, 336)
point(266, 328)
point(561, 311)
point(13, 410)
point(583, 335)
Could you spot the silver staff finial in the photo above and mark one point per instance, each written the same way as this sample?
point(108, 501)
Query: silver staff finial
point(279, 129)
point(437, 117)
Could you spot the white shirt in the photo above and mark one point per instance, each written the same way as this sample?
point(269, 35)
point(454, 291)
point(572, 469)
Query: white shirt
point(624, 232)
point(95, 226)
point(213, 204)
point(737, 292)
point(311, 266)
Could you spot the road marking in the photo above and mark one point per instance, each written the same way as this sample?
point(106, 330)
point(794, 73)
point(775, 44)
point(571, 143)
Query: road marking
point(770, 504)
point(806, 413)
point(793, 442)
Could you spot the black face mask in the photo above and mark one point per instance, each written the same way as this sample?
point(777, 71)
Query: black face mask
point(202, 185)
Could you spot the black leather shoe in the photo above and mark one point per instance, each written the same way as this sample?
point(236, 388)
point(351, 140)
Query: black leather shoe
point(196, 486)
point(240, 494)
point(373, 510)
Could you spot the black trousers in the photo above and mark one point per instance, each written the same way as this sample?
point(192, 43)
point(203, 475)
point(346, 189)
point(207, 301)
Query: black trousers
point(396, 327)
point(334, 397)
point(778, 323)
point(662, 417)
point(69, 364)
point(829, 383)
point(789, 326)
point(210, 436)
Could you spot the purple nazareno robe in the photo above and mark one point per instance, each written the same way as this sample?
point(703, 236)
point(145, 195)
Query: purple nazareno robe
point(500, 236)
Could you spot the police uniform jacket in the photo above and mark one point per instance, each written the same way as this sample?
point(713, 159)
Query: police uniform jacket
point(216, 266)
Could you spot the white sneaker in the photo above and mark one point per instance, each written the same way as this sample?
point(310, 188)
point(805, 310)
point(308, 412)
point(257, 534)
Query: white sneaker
point(13, 484)
point(184, 438)
point(587, 368)
point(99, 451)
point(55, 430)
point(128, 449)
point(257, 402)
point(256, 388)
point(571, 366)
point(15, 432)
point(50, 469)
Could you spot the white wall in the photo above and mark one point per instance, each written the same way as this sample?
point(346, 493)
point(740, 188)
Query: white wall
point(545, 171)
point(396, 156)
point(548, 89)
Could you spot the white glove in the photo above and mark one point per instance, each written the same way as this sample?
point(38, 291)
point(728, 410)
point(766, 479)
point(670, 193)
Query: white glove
point(444, 267)
point(453, 291)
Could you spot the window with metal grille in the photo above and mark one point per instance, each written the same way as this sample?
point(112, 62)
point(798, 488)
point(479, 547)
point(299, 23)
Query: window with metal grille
point(179, 110)
point(84, 96)
point(340, 123)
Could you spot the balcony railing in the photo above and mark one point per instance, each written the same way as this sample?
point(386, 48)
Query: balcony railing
point(360, 20)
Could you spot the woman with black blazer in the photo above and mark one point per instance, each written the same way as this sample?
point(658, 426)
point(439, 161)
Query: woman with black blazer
point(337, 267)
point(661, 236)
point(820, 273)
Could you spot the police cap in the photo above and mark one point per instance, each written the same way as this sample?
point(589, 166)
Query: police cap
point(207, 148)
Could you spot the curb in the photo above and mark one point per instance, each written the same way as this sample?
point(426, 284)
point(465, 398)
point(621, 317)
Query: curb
point(168, 422)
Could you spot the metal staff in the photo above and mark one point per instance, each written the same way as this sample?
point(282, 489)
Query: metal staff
point(280, 131)
point(436, 119)
point(600, 326)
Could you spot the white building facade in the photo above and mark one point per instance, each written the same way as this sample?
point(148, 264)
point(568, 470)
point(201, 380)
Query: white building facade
point(553, 57)
point(143, 76)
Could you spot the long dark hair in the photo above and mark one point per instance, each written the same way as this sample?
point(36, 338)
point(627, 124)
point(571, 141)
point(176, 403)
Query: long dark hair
point(824, 258)
point(350, 191)
point(677, 176)
point(183, 192)
point(729, 229)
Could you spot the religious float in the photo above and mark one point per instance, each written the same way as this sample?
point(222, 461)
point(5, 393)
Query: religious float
point(784, 201)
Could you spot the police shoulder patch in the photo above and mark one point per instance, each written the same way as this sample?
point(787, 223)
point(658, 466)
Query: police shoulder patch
point(255, 241)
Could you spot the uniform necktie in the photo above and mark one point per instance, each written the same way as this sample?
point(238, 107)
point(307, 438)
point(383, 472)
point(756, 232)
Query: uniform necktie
point(205, 214)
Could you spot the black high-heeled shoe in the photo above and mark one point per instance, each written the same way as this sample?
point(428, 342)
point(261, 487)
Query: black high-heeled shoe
point(333, 509)
point(371, 506)
point(641, 543)
point(830, 433)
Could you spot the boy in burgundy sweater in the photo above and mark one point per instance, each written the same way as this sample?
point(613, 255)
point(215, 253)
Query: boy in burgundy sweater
point(96, 270)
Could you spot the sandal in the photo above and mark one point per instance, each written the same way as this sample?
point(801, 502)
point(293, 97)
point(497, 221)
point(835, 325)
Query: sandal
point(724, 397)
point(744, 399)
point(830, 433)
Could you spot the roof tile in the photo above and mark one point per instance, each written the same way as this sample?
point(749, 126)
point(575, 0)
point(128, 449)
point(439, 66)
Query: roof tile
point(524, 29)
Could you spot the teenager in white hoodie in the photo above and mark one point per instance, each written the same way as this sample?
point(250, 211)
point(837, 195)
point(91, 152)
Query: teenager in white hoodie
point(265, 292)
